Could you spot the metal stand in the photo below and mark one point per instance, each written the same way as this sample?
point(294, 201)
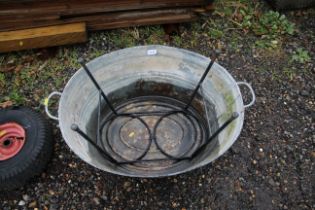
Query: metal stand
point(185, 111)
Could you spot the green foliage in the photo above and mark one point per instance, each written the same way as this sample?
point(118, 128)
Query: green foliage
point(301, 56)
point(147, 31)
point(272, 24)
point(267, 43)
point(123, 39)
point(177, 40)
point(96, 53)
point(16, 97)
point(71, 57)
point(196, 26)
point(152, 34)
point(247, 18)
point(215, 33)
point(250, 17)
point(269, 27)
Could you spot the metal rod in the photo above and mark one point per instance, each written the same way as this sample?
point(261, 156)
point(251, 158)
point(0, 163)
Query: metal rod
point(76, 128)
point(156, 113)
point(81, 61)
point(231, 119)
point(200, 82)
point(153, 160)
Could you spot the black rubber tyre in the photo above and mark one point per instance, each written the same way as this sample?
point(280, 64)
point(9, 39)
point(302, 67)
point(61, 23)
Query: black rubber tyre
point(291, 4)
point(36, 152)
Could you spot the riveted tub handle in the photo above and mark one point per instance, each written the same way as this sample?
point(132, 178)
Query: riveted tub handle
point(46, 103)
point(251, 91)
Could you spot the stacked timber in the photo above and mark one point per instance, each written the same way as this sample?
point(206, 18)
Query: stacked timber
point(22, 21)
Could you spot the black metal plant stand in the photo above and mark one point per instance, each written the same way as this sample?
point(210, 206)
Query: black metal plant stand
point(182, 111)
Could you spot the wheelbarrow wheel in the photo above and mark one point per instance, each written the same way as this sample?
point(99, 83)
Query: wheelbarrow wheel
point(25, 146)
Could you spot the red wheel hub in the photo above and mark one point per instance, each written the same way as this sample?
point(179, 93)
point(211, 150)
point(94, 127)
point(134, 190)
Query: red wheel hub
point(12, 140)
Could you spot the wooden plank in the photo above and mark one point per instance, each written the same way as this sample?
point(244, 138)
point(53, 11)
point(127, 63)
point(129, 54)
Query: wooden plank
point(142, 22)
point(102, 22)
point(109, 20)
point(42, 37)
point(74, 7)
point(124, 5)
point(25, 18)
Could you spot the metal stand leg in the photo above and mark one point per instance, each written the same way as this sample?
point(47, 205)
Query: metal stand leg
point(81, 61)
point(76, 128)
point(200, 82)
point(215, 134)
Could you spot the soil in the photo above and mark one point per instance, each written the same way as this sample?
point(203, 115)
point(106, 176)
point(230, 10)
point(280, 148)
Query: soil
point(271, 165)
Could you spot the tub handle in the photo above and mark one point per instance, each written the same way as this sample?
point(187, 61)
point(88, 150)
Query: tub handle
point(46, 104)
point(251, 91)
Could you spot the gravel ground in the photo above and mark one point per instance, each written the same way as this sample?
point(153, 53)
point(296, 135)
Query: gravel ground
point(271, 166)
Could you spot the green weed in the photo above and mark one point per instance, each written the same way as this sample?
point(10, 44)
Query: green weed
point(147, 31)
point(16, 97)
point(177, 40)
point(301, 56)
point(96, 53)
point(289, 73)
point(152, 34)
point(269, 26)
point(272, 24)
point(267, 43)
point(196, 27)
point(123, 39)
point(215, 33)
point(70, 56)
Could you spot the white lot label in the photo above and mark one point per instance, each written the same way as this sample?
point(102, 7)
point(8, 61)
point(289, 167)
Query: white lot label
point(152, 52)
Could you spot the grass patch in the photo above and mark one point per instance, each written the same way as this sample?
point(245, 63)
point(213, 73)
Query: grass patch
point(28, 78)
point(68, 56)
point(152, 34)
point(122, 39)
